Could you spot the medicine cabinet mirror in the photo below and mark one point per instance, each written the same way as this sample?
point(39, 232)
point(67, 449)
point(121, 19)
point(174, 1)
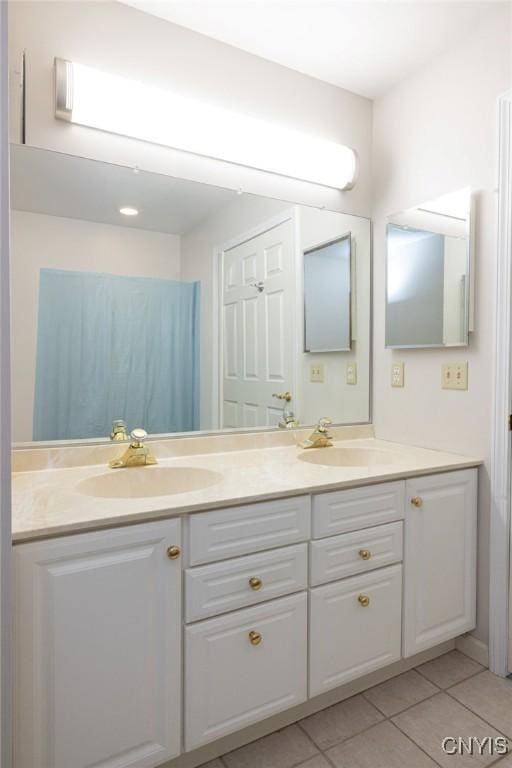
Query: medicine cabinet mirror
point(178, 306)
point(429, 273)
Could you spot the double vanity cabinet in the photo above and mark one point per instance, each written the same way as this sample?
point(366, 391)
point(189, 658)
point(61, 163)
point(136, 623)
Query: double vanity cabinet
point(136, 644)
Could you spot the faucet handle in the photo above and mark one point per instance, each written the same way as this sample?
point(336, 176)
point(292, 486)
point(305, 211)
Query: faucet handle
point(324, 422)
point(138, 436)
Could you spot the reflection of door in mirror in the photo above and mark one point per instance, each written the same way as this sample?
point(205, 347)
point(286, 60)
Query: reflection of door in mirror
point(257, 322)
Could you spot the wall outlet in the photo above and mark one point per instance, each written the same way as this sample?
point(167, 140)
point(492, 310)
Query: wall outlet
point(454, 375)
point(316, 373)
point(397, 374)
point(352, 373)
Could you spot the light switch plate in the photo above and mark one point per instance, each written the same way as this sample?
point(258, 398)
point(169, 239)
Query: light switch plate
point(316, 373)
point(352, 373)
point(454, 375)
point(397, 374)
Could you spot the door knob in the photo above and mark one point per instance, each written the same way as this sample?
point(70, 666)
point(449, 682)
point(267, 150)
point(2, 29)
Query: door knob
point(364, 600)
point(417, 501)
point(255, 583)
point(173, 552)
point(255, 638)
point(365, 554)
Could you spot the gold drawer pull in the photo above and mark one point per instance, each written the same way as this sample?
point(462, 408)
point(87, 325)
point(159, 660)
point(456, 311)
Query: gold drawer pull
point(364, 600)
point(417, 501)
point(255, 638)
point(173, 552)
point(365, 554)
point(255, 583)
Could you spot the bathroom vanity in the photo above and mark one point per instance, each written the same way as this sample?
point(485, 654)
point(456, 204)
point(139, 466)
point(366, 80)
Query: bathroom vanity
point(195, 625)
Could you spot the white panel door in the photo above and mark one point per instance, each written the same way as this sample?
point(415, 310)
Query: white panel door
point(355, 627)
point(439, 559)
point(243, 667)
point(98, 641)
point(257, 323)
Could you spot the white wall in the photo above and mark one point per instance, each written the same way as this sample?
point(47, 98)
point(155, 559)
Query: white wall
point(56, 243)
point(435, 133)
point(334, 398)
point(120, 39)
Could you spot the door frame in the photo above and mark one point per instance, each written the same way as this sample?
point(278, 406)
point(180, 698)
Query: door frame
point(5, 412)
point(501, 464)
point(288, 214)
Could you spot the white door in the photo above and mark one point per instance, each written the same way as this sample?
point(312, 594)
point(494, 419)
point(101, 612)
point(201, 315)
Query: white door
point(439, 559)
point(244, 667)
point(355, 627)
point(5, 414)
point(258, 327)
point(97, 646)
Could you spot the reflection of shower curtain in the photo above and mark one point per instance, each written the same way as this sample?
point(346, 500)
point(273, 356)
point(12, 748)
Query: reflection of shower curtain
point(112, 347)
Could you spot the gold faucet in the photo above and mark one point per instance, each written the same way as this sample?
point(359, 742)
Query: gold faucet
point(137, 454)
point(288, 419)
point(320, 437)
point(119, 432)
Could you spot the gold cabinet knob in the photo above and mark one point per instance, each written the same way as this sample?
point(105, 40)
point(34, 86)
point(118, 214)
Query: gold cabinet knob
point(255, 638)
point(364, 600)
point(365, 554)
point(255, 583)
point(417, 501)
point(173, 552)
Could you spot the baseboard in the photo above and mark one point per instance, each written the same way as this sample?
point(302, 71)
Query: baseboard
point(474, 648)
point(210, 751)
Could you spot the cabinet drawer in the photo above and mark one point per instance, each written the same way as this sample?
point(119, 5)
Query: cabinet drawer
point(349, 639)
point(356, 508)
point(231, 584)
point(351, 553)
point(232, 682)
point(224, 533)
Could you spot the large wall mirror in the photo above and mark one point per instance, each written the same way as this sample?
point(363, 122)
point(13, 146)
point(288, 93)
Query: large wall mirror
point(178, 306)
point(428, 281)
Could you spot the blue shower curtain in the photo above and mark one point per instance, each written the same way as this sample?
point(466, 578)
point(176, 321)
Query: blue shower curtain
point(112, 347)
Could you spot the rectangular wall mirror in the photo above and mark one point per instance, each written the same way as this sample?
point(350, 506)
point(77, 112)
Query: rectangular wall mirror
point(429, 250)
point(178, 306)
point(327, 296)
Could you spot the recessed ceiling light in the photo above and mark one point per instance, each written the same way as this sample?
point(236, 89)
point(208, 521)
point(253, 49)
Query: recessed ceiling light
point(128, 211)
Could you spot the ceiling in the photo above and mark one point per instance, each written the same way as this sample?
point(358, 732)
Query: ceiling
point(361, 45)
point(77, 188)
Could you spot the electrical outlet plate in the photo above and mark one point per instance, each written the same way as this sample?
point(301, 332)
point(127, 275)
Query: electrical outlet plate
point(316, 373)
point(352, 373)
point(454, 376)
point(397, 374)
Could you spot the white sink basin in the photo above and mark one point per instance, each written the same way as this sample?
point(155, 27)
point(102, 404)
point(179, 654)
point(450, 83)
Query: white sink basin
point(349, 457)
point(147, 482)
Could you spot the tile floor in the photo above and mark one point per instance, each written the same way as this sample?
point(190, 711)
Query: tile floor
point(397, 724)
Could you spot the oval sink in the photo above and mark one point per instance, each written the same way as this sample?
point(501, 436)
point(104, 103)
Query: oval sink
point(146, 482)
point(349, 457)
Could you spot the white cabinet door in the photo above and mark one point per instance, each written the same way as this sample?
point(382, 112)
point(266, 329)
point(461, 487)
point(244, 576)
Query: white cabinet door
point(244, 667)
point(98, 662)
point(439, 558)
point(355, 627)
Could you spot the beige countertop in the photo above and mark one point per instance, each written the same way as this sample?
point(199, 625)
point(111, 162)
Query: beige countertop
point(50, 501)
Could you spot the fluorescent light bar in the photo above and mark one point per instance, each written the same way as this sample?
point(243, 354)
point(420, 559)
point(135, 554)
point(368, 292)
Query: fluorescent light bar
point(96, 99)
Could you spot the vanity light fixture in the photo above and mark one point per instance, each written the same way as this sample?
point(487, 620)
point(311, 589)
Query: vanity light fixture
point(126, 210)
point(96, 99)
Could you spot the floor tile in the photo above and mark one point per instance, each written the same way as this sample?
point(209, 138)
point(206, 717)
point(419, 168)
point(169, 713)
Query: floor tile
point(506, 762)
point(318, 761)
point(339, 722)
point(490, 697)
point(282, 749)
point(383, 746)
point(431, 721)
point(212, 764)
point(400, 693)
point(449, 669)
